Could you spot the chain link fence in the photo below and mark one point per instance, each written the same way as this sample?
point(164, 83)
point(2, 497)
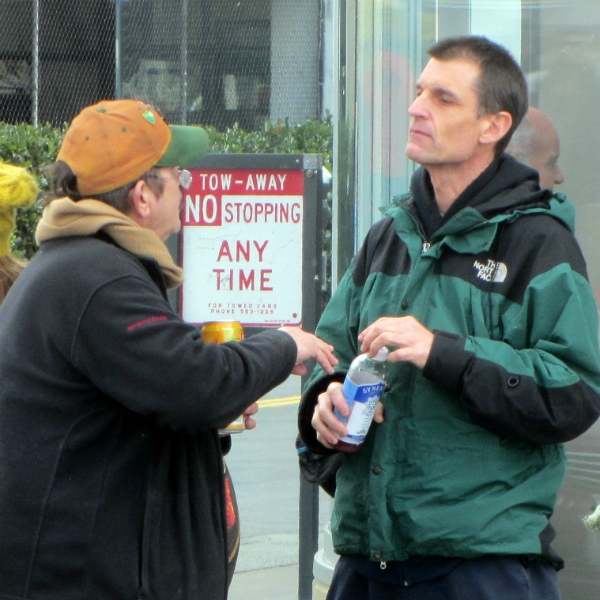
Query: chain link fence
point(209, 62)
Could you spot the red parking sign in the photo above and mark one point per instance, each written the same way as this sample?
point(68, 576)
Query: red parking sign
point(242, 246)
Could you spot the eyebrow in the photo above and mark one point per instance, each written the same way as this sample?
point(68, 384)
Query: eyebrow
point(438, 91)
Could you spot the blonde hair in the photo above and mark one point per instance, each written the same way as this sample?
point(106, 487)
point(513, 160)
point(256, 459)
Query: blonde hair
point(18, 189)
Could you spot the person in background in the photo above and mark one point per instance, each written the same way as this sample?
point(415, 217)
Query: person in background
point(111, 465)
point(535, 143)
point(476, 284)
point(18, 189)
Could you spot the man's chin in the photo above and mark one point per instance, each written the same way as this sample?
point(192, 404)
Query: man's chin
point(413, 153)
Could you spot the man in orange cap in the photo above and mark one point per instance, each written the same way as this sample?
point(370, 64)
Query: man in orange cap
point(111, 468)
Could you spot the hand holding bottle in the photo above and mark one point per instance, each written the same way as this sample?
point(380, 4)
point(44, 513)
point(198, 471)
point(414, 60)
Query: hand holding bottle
point(343, 413)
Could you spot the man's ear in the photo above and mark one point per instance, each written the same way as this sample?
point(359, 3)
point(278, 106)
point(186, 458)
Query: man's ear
point(141, 197)
point(497, 126)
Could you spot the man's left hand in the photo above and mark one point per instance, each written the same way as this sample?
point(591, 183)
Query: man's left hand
point(412, 340)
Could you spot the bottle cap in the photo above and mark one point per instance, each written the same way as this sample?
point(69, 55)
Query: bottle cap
point(381, 355)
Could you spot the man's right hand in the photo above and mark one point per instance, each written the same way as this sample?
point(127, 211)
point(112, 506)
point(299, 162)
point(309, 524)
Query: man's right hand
point(310, 346)
point(328, 427)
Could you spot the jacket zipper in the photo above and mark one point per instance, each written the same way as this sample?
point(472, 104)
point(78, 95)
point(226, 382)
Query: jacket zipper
point(425, 243)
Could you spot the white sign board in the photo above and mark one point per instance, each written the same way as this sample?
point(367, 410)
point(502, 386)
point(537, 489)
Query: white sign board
point(241, 247)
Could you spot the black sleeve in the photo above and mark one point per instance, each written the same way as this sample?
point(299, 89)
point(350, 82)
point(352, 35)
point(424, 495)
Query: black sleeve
point(136, 350)
point(513, 405)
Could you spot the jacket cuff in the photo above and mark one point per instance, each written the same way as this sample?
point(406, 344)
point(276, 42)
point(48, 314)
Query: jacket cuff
point(289, 344)
point(307, 408)
point(447, 361)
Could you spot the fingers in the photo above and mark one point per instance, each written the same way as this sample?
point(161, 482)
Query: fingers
point(299, 369)
point(334, 389)
point(310, 346)
point(249, 422)
point(251, 410)
point(328, 444)
point(325, 357)
point(375, 335)
point(412, 340)
point(379, 414)
point(327, 425)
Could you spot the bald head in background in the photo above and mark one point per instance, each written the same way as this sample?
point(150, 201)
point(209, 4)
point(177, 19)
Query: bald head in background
point(536, 143)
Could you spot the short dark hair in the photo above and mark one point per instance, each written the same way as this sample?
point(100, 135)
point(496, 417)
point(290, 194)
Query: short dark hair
point(501, 84)
point(63, 182)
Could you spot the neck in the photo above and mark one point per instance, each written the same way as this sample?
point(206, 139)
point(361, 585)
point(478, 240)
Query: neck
point(450, 181)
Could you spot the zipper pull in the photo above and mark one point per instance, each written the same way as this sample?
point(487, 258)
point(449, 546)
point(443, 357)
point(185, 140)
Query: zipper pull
point(426, 246)
point(383, 565)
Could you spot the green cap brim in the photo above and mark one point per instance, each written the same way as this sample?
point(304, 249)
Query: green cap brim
point(187, 147)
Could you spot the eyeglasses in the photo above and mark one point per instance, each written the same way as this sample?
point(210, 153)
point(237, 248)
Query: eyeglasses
point(184, 178)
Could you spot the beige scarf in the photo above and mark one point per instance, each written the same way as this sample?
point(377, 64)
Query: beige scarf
point(64, 218)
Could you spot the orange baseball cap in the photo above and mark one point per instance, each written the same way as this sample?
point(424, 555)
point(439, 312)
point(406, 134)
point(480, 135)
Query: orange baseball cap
point(114, 142)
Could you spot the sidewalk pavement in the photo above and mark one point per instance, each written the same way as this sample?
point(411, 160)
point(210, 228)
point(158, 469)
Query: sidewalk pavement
point(274, 583)
point(267, 568)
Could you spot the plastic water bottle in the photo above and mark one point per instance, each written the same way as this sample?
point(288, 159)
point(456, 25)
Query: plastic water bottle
point(363, 387)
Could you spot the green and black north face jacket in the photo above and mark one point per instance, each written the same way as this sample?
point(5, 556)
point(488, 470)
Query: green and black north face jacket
point(469, 458)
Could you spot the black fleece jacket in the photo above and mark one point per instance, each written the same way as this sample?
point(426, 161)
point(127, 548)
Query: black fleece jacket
point(110, 463)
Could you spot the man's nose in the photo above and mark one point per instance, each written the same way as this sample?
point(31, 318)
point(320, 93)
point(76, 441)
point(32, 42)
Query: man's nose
point(417, 108)
point(558, 176)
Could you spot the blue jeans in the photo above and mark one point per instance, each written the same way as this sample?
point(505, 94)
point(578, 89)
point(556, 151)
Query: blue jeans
point(485, 578)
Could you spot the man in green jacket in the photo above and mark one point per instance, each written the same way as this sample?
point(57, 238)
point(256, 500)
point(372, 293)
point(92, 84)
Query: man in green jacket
point(475, 283)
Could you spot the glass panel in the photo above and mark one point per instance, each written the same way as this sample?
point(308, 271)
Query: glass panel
point(567, 86)
point(379, 42)
point(499, 21)
point(564, 82)
point(344, 184)
point(558, 45)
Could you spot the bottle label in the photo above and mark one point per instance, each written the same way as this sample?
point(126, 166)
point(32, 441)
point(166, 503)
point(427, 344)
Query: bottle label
point(362, 400)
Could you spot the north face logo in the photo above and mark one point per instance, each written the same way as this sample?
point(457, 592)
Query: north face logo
point(491, 269)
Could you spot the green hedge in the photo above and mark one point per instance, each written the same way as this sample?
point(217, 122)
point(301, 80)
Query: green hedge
point(310, 137)
point(35, 147)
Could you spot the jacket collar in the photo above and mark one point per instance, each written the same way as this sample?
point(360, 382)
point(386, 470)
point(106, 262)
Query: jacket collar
point(504, 186)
